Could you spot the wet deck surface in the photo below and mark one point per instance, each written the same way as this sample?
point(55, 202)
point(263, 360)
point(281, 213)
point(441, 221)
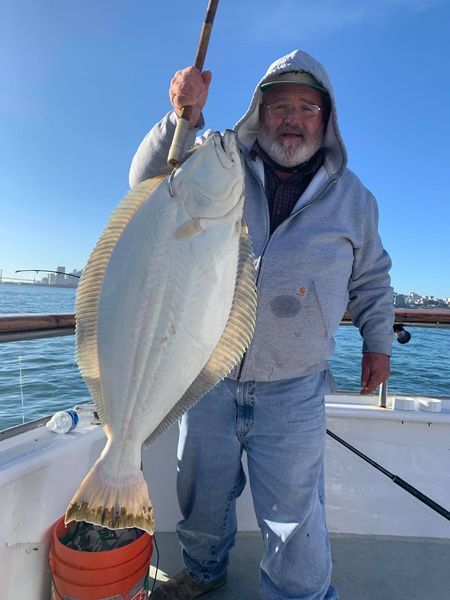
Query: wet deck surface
point(365, 568)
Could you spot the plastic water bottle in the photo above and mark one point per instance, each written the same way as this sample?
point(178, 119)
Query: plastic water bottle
point(64, 421)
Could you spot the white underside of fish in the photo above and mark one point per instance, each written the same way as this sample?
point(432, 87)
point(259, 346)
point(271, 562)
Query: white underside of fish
point(165, 310)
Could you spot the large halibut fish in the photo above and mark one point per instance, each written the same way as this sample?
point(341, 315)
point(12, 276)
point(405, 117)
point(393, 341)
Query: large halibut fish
point(165, 308)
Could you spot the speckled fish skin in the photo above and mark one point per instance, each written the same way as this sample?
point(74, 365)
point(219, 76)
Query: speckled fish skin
point(175, 312)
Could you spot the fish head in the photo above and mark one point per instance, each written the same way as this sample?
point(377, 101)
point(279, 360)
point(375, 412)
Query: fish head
point(210, 182)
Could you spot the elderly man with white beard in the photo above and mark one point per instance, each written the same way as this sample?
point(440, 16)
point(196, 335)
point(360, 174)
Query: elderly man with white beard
point(313, 227)
point(292, 120)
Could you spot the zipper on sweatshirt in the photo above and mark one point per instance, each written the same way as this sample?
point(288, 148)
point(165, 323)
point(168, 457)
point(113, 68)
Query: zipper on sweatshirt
point(268, 242)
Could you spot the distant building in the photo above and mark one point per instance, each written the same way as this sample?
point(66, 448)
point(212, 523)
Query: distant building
point(414, 300)
point(60, 277)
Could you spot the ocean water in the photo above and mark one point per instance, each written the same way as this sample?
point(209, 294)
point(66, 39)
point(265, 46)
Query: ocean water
point(39, 377)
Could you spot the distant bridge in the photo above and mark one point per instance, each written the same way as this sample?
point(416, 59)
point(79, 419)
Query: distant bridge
point(17, 280)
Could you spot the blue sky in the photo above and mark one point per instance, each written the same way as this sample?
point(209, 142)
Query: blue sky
point(82, 82)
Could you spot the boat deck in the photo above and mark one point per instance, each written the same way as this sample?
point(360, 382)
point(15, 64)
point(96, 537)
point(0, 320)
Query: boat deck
point(364, 567)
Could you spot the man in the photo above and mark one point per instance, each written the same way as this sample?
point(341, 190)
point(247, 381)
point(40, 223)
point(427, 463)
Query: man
point(313, 227)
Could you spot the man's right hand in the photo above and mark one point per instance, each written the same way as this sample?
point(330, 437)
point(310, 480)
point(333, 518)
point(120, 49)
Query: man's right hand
point(189, 87)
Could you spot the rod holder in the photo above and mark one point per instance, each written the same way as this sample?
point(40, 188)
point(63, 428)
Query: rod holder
point(382, 398)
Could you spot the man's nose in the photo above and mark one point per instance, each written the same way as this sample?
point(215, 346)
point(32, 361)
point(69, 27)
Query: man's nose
point(293, 117)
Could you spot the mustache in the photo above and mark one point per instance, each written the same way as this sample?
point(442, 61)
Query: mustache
point(290, 129)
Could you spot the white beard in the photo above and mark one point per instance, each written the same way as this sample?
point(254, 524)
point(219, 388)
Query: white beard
point(288, 153)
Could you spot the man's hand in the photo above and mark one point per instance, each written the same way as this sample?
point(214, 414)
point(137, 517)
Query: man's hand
point(375, 369)
point(189, 87)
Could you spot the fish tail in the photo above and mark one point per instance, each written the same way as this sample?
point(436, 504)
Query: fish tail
point(113, 502)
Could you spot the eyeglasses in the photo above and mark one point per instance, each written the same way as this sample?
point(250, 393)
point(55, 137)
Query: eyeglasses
point(282, 110)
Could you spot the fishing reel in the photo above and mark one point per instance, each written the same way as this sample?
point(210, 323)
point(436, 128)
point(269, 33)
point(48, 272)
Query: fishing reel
point(403, 336)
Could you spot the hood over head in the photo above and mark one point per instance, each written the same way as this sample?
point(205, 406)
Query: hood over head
point(303, 66)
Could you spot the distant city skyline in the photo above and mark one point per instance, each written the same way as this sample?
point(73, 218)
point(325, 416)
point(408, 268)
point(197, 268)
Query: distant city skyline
point(401, 299)
point(56, 276)
point(414, 300)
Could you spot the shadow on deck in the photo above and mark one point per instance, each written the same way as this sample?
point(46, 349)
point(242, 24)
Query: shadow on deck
point(364, 567)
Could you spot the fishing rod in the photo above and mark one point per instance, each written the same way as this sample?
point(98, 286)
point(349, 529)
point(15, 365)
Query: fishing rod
point(181, 131)
point(46, 271)
point(395, 478)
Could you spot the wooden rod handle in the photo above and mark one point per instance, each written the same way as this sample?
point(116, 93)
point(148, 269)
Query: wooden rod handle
point(182, 128)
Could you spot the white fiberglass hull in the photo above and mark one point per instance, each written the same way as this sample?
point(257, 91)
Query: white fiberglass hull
point(39, 471)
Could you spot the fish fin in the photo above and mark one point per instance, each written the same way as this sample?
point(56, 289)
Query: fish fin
point(112, 502)
point(233, 343)
point(188, 229)
point(88, 293)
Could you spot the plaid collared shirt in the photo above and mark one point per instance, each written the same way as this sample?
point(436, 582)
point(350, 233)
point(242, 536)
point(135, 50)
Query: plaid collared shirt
point(283, 195)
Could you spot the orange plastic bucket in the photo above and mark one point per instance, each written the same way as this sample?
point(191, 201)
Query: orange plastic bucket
point(119, 574)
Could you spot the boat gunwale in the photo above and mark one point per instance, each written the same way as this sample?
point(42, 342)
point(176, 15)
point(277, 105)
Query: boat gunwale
point(337, 405)
point(27, 322)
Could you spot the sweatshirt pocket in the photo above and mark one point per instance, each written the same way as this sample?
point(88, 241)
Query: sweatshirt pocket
point(291, 335)
point(299, 308)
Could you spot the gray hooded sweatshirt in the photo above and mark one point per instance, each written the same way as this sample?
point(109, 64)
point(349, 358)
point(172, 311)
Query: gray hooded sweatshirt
point(326, 256)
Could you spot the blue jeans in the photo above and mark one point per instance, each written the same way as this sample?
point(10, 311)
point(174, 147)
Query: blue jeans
point(281, 426)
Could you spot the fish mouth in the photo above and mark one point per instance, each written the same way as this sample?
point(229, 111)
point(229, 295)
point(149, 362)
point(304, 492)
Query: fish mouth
point(226, 148)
